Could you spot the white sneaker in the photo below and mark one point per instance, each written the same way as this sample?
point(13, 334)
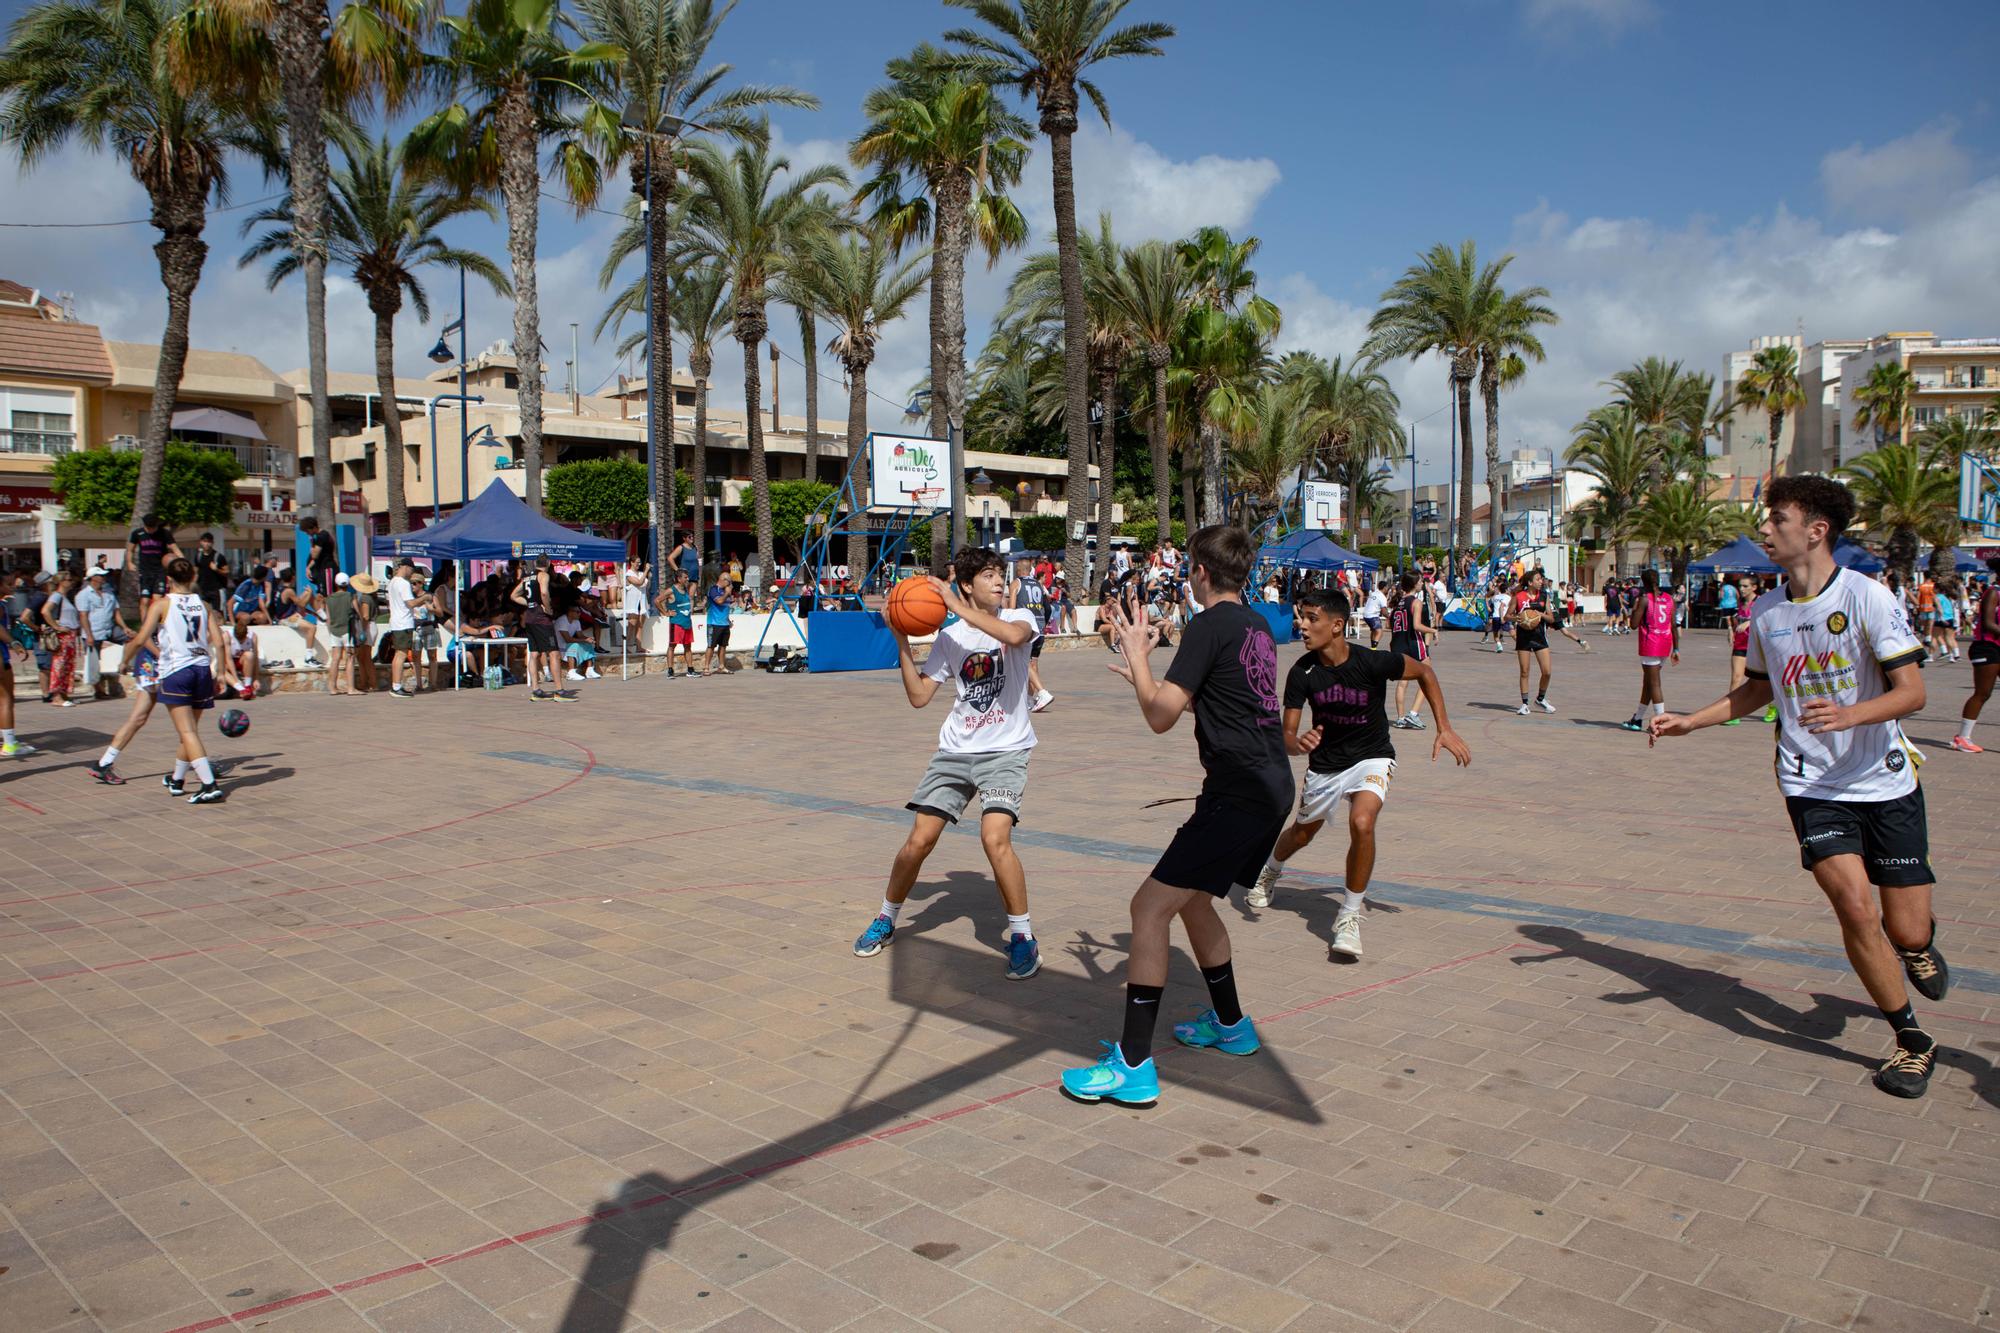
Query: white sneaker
point(1042, 700)
point(1267, 883)
point(593, 674)
point(1498, 649)
point(1545, 705)
point(1347, 934)
point(573, 674)
point(1522, 711)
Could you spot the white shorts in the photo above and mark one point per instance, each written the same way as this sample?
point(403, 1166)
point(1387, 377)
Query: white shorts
point(635, 602)
point(1324, 791)
point(1652, 661)
point(340, 640)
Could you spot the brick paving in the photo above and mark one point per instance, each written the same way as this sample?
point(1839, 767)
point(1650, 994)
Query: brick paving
point(469, 1015)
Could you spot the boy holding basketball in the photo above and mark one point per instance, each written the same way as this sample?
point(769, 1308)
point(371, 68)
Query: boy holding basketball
point(983, 747)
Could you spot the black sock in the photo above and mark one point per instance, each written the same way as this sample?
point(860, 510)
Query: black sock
point(1901, 1019)
point(1142, 1009)
point(1542, 693)
point(1222, 993)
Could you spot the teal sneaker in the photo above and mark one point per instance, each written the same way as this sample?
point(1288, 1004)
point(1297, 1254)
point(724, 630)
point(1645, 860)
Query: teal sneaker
point(880, 931)
point(1112, 1080)
point(1238, 1038)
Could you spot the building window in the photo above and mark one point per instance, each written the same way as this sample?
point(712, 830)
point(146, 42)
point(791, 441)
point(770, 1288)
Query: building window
point(511, 380)
point(684, 397)
point(37, 421)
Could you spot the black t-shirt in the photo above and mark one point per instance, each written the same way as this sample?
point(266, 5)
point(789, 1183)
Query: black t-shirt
point(1228, 664)
point(1346, 705)
point(322, 551)
point(152, 547)
point(209, 570)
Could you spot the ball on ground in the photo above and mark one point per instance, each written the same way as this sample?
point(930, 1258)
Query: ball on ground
point(915, 607)
point(233, 722)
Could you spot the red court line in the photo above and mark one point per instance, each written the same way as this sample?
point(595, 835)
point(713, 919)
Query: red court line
point(590, 762)
point(747, 1174)
point(15, 800)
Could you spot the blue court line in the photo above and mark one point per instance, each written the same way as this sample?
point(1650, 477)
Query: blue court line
point(1612, 924)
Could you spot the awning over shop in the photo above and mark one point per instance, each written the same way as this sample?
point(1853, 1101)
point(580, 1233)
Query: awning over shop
point(215, 421)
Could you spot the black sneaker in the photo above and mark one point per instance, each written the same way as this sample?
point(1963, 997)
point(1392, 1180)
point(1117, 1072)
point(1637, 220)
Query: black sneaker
point(172, 784)
point(104, 774)
point(566, 696)
point(540, 696)
point(1926, 969)
point(211, 794)
point(1907, 1073)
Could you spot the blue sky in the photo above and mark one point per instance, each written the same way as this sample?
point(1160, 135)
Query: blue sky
point(1681, 175)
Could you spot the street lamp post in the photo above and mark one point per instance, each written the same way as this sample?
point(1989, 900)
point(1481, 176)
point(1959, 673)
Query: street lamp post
point(441, 354)
point(464, 445)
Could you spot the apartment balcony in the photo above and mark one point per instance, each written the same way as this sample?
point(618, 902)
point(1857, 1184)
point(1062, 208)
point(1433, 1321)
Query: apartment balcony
point(256, 460)
point(49, 443)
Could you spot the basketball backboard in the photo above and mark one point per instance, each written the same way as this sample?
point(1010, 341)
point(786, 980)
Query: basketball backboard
point(909, 472)
point(1979, 496)
point(1325, 503)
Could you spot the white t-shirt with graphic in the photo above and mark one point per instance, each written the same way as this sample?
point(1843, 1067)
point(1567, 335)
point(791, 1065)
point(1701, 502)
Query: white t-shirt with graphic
point(400, 597)
point(1837, 645)
point(991, 711)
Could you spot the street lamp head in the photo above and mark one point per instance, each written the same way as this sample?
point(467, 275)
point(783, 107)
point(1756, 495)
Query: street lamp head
point(441, 353)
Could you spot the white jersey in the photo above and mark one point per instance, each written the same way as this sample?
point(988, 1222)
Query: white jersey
point(183, 635)
point(991, 711)
point(1838, 645)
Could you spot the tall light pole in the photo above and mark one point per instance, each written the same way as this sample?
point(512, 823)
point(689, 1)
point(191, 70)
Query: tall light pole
point(442, 354)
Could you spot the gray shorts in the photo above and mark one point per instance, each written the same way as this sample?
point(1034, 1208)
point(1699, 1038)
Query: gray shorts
point(998, 777)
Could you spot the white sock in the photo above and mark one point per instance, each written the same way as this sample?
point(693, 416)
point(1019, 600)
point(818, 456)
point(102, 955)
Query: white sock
point(1019, 925)
point(110, 756)
point(203, 771)
point(181, 767)
point(1275, 863)
point(890, 910)
point(1659, 710)
point(7, 736)
point(1965, 725)
point(1350, 901)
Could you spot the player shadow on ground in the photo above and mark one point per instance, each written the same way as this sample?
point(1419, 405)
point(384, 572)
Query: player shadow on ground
point(1317, 905)
point(1054, 1013)
point(961, 895)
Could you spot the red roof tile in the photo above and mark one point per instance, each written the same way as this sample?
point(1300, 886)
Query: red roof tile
point(60, 349)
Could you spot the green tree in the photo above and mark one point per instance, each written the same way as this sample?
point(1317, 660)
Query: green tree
point(1612, 446)
point(856, 285)
point(1771, 386)
point(1443, 303)
point(1508, 344)
point(1270, 445)
point(512, 81)
point(96, 71)
point(1898, 490)
point(1042, 532)
point(197, 486)
point(1682, 521)
point(1042, 48)
point(663, 91)
point(792, 503)
point(742, 218)
point(965, 150)
point(701, 309)
point(608, 493)
point(1152, 289)
point(382, 225)
point(1350, 413)
point(1224, 345)
point(1884, 398)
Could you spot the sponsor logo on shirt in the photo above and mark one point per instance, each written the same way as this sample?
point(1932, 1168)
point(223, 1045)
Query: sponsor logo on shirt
point(1837, 623)
point(1811, 675)
point(1894, 761)
point(980, 681)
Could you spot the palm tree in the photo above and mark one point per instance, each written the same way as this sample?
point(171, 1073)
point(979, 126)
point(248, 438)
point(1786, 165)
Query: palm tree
point(1681, 520)
point(856, 286)
point(1349, 415)
point(701, 309)
point(1042, 48)
point(1506, 349)
point(1884, 399)
point(742, 218)
point(1771, 386)
point(1270, 443)
point(1151, 289)
point(1611, 445)
point(95, 71)
point(1228, 328)
point(382, 225)
point(967, 150)
point(1897, 490)
point(789, 285)
point(659, 94)
point(511, 81)
point(1443, 303)
point(317, 67)
point(1956, 433)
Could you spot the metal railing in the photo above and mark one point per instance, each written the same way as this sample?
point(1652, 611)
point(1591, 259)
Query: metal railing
point(256, 460)
point(37, 441)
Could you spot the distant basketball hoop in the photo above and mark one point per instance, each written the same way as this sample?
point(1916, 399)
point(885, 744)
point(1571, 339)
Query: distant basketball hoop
point(1979, 496)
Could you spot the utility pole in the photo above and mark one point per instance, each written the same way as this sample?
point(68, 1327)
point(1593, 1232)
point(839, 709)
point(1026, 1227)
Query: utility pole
point(575, 390)
point(774, 386)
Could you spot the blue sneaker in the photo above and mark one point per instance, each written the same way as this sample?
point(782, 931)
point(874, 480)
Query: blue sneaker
point(1238, 1038)
point(880, 931)
point(1111, 1079)
point(1024, 957)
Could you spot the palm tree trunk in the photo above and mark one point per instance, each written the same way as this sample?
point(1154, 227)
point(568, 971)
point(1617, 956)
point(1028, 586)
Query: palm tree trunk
point(384, 308)
point(660, 356)
point(699, 482)
point(1489, 392)
point(751, 332)
point(519, 143)
point(1211, 474)
point(954, 239)
point(857, 438)
point(1461, 386)
point(181, 253)
point(1776, 425)
point(1156, 440)
point(1188, 511)
point(1059, 123)
point(298, 34)
point(809, 345)
point(1107, 474)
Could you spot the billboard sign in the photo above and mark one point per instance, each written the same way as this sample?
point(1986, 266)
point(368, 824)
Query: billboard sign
point(909, 471)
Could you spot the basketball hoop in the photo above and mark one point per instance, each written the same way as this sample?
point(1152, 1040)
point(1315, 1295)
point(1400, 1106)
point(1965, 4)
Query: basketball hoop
point(925, 497)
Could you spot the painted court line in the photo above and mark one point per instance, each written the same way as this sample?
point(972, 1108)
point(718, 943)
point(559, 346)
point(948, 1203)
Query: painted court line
point(1615, 925)
point(749, 1174)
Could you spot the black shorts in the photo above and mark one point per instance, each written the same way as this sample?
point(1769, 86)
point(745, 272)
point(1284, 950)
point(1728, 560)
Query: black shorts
point(1891, 837)
point(1036, 651)
point(718, 637)
point(1984, 653)
point(1534, 640)
point(1225, 842)
point(153, 583)
point(1739, 652)
point(541, 637)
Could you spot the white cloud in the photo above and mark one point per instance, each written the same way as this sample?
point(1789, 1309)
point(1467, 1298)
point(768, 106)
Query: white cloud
point(1148, 194)
point(1904, 178)
point(1565, 17)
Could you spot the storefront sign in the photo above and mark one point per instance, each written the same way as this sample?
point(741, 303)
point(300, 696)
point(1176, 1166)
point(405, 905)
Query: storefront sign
point(263, 518)
point(25, 499)
point(353, 502)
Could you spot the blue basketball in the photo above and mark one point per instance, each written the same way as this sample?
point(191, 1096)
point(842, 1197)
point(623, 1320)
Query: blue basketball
point(233, 723)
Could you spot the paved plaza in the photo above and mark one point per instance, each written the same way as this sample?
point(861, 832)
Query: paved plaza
point(464, 1014)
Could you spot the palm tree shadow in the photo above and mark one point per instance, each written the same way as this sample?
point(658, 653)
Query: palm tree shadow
point(962, 895)
point(927, 976)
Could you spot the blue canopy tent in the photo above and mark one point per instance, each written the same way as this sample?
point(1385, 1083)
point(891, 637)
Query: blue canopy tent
point(496, 526)
point(1853, 555)
point(1303, 548)
point(1741, 556)
point(1962, 561)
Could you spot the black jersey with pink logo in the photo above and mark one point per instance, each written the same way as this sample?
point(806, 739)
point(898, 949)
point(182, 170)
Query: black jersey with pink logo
point(1228, 664)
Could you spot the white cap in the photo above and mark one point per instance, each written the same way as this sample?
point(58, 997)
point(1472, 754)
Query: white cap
point(340, 580)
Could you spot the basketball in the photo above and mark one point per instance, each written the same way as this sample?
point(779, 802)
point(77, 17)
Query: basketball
point(915, 607)
point(1531, 619)
point(233, 723)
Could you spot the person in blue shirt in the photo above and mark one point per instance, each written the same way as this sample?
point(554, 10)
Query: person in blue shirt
point(252, 598)
point(720, 594)
point(677, 605)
